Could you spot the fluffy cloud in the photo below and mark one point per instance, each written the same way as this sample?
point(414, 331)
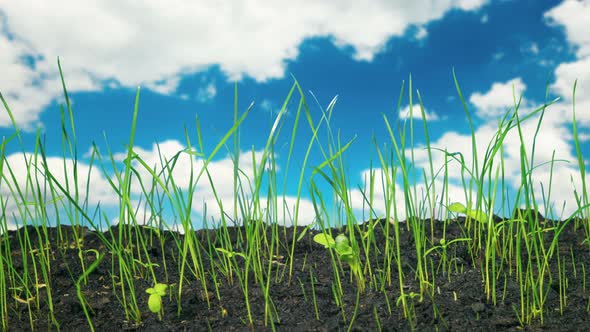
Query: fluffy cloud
point(568, 73)
point(573, 17)
point(28, 169)
point(28, 88)
point(554, 142)
point(101, 192)
point(154, 43)
point(359, 198)
point(207, 92)
point(498, 99)
point(404, 113)
point(221, 173)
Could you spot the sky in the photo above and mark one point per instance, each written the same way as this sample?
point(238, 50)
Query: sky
point(188, 56)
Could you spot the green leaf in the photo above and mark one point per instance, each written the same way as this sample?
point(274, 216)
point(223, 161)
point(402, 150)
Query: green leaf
point(348, 259)
point(478, 215)
point(160, 289)
point(473, 214)
point(155, 303)
point(228, 253)
point(193, 152)
point(347, 251)
point(457, 208)
point(324, 239)
point(342, 244)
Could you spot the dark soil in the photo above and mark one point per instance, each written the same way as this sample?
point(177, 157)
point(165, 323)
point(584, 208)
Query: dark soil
point(293, 301)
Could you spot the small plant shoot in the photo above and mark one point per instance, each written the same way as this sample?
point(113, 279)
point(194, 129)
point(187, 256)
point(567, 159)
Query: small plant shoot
point(477, 215)
point(155, 299)
point(345, 252)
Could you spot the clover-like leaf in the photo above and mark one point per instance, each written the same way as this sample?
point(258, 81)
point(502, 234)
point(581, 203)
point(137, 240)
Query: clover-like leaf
point(342, 244)
point(160, 289)
point(473, 214)
point(324, 239)
point(155, 303)
point(457, 208)
point(478, 215)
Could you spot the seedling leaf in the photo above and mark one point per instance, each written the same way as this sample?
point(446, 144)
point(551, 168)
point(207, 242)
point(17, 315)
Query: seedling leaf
point(155, 303)
point(324, 239)
point(473, 214)
point(342, 244)
point(457, 208)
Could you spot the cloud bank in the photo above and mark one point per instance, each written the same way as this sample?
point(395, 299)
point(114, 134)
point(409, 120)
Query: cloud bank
point(153, 43)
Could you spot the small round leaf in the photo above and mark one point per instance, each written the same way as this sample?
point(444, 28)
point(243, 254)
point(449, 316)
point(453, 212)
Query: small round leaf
point(155, 303)
point(161, 289)
point(324, 239)
point(457, 208)
point(342, 244)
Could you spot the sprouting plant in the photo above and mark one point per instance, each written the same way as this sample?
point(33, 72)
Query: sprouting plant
point(155, 300)
point(83, 277)
point(230, 254)
point(345, 252)
point(443, 245)
point(469, 212)
point(411, 296)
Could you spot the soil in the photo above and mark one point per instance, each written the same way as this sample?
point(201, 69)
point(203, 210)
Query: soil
point(459, 301)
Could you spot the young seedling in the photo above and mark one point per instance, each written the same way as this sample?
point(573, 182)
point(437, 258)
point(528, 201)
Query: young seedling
point(345, 252)
point(443, 245)
point(83, 277)
point(470, 213)
point(155, 300)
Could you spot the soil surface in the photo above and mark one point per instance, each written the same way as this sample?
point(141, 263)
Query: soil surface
point(458, 303)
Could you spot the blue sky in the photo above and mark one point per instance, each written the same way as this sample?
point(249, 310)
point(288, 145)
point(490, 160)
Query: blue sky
point(187, 56)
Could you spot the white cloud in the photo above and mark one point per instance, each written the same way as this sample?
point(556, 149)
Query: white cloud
point(553, 141)
point(498, 56)
point(221, 172)
point(27, 90)
point(101, 191)
point(207, 92)
point(404, 113)
point(534, 48)
point(470, 4)
point(222, 179)
point(154, 43)
point(359, 199)
point(421, 33)
point(484, 19)
point(573, 16)
point(566, 74)
point(267, 106)
point(422, 207)
point(25, 171)
point(554, 137)
point(498, 99)
point(272, 108)
point(164, 86)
